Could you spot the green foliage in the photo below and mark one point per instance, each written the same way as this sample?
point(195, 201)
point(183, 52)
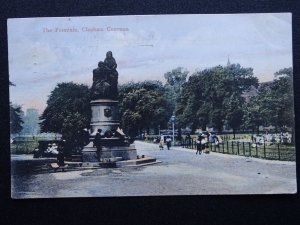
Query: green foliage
point(142, 106)
point(234, 111)
point(285, 72)
point(15, 116)
point(173, 88)
point(15, 119)
point(253, 117)
point(175, 79)
point(212, 97)
point(274, 103)
point(23, 147)
point(68, 110)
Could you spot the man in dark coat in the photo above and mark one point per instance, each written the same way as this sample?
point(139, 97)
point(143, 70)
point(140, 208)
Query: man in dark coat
point(60, 156)
point(98, 143)
point(168, 140)
point(188, 140)
point(199, 144)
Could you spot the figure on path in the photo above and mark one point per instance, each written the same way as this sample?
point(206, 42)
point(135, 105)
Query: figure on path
point(168, 140)
point(60, 156)
point(161, 143)
point(199, 144)
point(188, 140)
point(98, 144)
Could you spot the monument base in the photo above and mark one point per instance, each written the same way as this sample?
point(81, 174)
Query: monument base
point(104, 115)
point(89, 153)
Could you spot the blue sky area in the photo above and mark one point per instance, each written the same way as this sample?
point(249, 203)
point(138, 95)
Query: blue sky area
point(47, 51)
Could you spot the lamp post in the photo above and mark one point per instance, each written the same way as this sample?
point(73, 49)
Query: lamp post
point(173, 123)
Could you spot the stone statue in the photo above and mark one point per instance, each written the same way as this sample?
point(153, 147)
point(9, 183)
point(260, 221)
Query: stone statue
point(104, 117)
point(105, 79)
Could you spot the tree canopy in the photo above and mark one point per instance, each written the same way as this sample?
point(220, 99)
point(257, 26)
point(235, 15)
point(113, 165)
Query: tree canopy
point(15, 119)
point(173, 88)
point(68, 110)
point(274, 103)
point(142, 106)
point(16, 113)
point(212, 97)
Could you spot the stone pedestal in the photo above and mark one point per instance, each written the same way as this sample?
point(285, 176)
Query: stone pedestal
point(104, 115)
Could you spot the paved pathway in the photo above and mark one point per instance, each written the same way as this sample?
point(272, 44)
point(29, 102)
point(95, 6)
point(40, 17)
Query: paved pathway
point(181, 172)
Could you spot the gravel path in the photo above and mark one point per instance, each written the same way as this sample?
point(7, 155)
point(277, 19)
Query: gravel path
point(181, 172)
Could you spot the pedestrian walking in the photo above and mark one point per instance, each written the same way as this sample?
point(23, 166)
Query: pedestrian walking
point(168, 140)
point(161, 143)
point(188, 140)
point(98, 144)
point(199, 144)
point(60, 156)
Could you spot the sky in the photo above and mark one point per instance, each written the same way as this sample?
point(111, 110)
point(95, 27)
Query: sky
point(46, 51)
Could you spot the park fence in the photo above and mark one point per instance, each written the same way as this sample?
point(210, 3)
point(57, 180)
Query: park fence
point(272, 152)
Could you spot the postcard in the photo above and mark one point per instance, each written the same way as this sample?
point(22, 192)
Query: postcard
point(156, 105)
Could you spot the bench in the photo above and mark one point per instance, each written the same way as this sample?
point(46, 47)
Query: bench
point(55, 166)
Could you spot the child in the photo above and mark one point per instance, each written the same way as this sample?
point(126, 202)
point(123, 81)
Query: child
point(161, 143)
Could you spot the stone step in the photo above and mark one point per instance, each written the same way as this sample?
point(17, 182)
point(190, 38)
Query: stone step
point(136, 162)
point(145, 160)
point(105, 162)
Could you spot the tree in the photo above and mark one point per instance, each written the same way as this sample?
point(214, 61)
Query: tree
point(175, 79)
point(15, 119)
point(142, 106)
point(285, 72)
point(173, 87)
point(253, 117)
point(234, 112)
point(212, 97)
point(67, 111)
point(277, 100)
point(274, 103)
point(15, 116)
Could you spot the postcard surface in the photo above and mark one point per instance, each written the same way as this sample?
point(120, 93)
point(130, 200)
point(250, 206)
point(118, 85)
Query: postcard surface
point(151, 105)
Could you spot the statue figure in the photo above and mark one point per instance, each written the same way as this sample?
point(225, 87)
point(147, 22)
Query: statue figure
point(105, 79)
